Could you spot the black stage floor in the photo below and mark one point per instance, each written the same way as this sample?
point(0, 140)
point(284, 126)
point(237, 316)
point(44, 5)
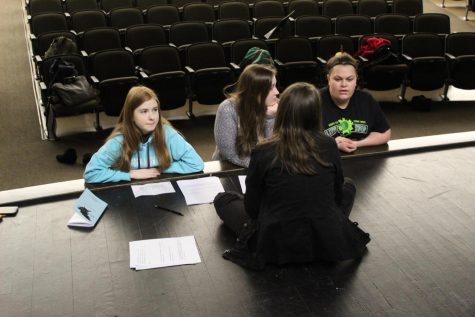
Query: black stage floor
point(418, 208)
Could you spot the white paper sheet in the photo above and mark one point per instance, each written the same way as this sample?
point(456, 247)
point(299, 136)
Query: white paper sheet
point(154, 253)
point(152, 189)
point(200, 190)
point(242, 182)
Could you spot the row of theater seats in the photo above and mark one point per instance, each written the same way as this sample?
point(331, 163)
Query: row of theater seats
point(331, 8)
point(94, 36)
point(425, 65)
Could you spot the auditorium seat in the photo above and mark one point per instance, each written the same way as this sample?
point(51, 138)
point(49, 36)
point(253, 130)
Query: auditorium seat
point(209, 73)
point(163, 72)
point(113, 73)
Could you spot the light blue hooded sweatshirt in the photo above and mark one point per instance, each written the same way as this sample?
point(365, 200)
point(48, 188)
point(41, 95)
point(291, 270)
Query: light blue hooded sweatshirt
point(184, 158)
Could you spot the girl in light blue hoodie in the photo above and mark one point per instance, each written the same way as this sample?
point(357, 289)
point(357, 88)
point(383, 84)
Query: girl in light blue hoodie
point(142, 145)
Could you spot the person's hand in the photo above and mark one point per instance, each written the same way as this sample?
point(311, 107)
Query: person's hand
point(346, 145)
point(144, 173)
point(272, 110)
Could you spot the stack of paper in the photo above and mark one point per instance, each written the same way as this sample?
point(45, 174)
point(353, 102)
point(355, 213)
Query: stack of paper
point(152, 189)
point(153, 253)
point(200, 190)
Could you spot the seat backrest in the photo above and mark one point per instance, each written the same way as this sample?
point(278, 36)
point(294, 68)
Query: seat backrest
point(396, 24)
point(240, 47)
point(231, 30)
point(334, 8)
point(160, 59)
point(48, 22)
point(184, 33)
point(313, 26)
point(181, 3)
point(108, 5)
point(44, 40)
point(42, 6)
point(112, 64)
point(216, 3)
point(143, 35)
point(234, 10)
point(432, 22)
point(303, 8)
point(100, 39)
point(205, 55)
point(198, 12)
point(268, 8)
point(163, 15)
point(422, 45)
point(353, 24)
point(407, 7)
point(329, 45)
point(124, 17)
point(88, 19)
point(80, 5)
point(293, 49)
point(263, 25)
point(145, 4)
point(460, 43)
point(372, 8)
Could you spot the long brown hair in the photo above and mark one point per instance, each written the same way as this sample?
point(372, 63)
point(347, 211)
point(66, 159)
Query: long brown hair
point(132, 134)
point(249, 94)
point(297, 129)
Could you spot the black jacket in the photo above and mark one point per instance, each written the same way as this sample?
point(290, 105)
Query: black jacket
point(296, 218)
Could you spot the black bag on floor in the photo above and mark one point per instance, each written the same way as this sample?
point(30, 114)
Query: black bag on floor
point(67, 87)
point(68, 94)
point(74, 91)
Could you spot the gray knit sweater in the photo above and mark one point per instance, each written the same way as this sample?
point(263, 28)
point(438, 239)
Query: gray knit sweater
point(225, 133)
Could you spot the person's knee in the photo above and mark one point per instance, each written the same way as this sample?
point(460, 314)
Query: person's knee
point(225, 201)
point(350, 185)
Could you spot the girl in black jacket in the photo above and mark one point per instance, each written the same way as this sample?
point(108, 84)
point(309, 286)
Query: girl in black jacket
point(297, 201)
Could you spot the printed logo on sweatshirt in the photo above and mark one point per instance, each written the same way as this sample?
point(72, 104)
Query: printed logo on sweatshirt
point(345, 127)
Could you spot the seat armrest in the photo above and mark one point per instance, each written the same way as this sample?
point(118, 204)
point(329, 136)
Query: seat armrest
point(94, 79)
point(449, 56)
point(37, 59)
point(278, 62)
point(43, 86)
point(143, 74)
point(235, 66)
point(321, 60)
point(189, 70)
point(83, 53)
point(363, 59)
point(406, 58)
